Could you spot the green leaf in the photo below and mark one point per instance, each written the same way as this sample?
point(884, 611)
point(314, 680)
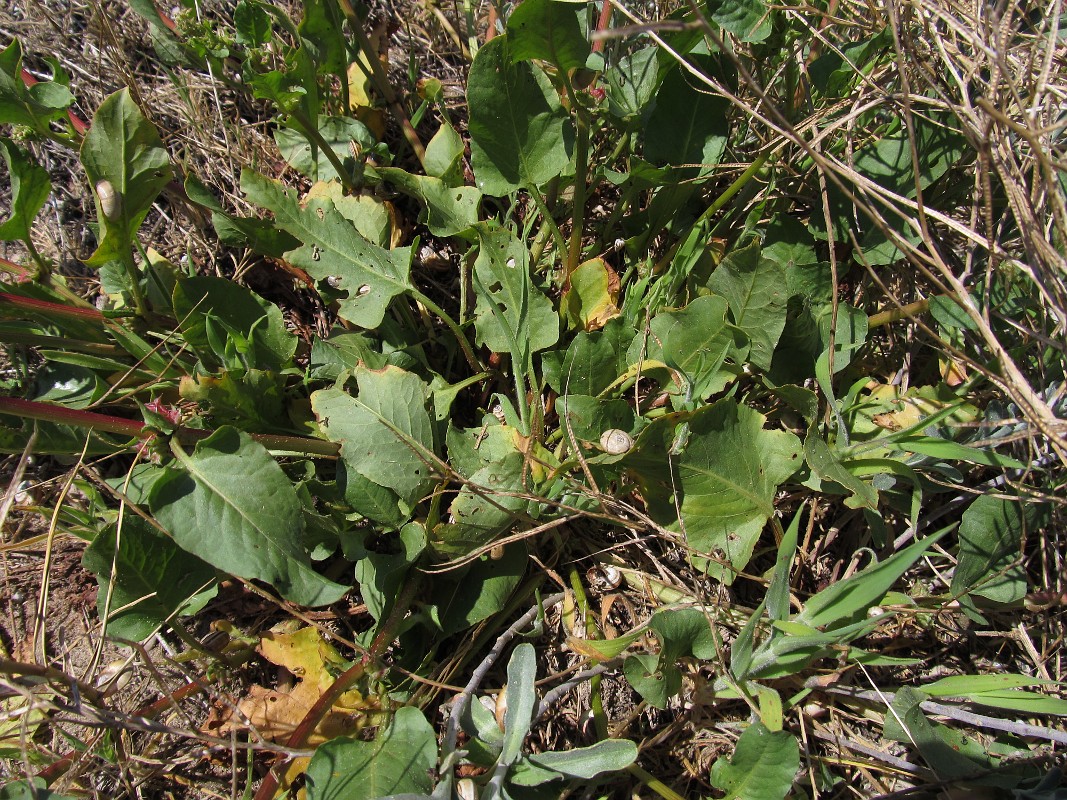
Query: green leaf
point(762, 767)
point(954, 451)
point(30, 188)
point(631, 84)
point(827, 466)
point(479, 591)
point(322, 30)
point(592, 362)
point(583, 763)
point(30, 789)
point(512, 315)
point(449, 211)
point(755, 287)
point(728, 476)
point(33, 106)
point(520, 136)
point(200, 302)
point(548, 30)
point(232, 505)
point(340, 133)
point(385, 431)
point(748, 20)
point(949, 753)
point(962, 685)
point(123, 149)
point(687, 126)
point(844, 601)
point(252, 23)
point(444, 156)
point(694, 340)
point(153, 577)
point(484, 508)
point(521, 696)
point(381, 572)
point(333, 248)
point(400, 761)
point(682, 632)
point(990, 541)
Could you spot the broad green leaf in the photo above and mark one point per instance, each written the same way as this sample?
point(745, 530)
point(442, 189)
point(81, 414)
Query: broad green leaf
point(30, 188)
point(202, 301)
point(333, 248)
point(252, 23)
point(257, 234)
point(843, 601)
point(33, 106)
point(400, 761)
point(521, 696)
point(548, 30)
point(990, 535)
point(322, 30)
point(687, 126)
point(230, 504)
point(592, 362)
point(480, 591)
point(30, 789)
point(340, 133)
point(385, 431)
point(694, 340)
point(947, 751)
point(381, 572)
point(631, 84)
point(512, 315)
point(748, 20)
point(483, 509)
point(449, 211)
point(520, 136)
point(728, 476)
point(583, 763)
point(444, 156)
point(762, 767)
point(827, 466)
point(588, 417)
point(153, 578)
point(252, 400)
point(755, 289)
point(682, 632)
point(123, 149)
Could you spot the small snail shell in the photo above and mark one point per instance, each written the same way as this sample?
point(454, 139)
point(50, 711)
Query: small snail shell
point(616, 442)
point(110, 200)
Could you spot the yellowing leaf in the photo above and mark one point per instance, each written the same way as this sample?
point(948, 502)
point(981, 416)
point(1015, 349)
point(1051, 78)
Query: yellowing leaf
point(359, 99)
point(591, 295)
point(314, 663)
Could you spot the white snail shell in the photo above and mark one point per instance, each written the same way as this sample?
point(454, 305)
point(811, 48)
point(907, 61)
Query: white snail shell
point(616, 442)
point(110, 200)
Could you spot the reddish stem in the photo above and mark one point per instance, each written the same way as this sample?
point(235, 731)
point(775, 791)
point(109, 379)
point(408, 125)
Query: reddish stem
point(48, 307)
point(22, 274)
point(602, 25)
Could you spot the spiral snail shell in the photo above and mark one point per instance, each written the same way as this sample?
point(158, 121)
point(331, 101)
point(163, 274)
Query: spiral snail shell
point(616, 442)
point(110, 200)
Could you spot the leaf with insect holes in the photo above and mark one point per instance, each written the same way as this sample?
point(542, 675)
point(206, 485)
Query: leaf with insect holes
point(123, 151)
point(333, 248)
point(512, 315)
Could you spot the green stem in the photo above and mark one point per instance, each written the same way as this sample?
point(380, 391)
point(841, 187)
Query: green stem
point(135, 283)
point(465, 346)
point(581, 167)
